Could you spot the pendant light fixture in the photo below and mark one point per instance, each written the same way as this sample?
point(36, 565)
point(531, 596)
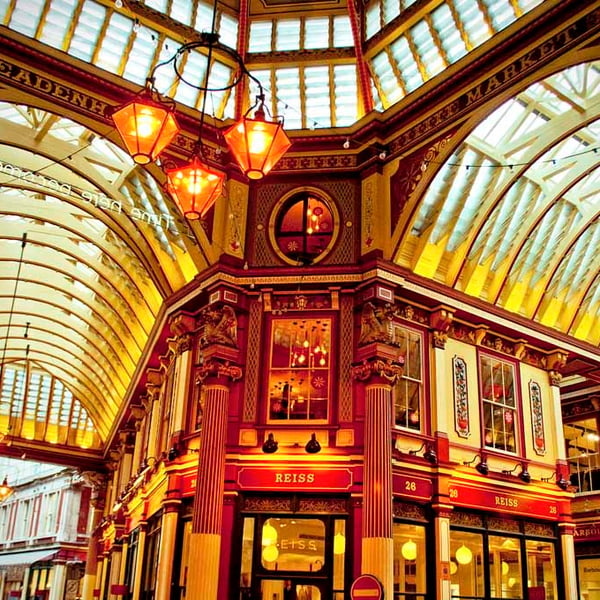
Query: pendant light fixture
point(147, 124)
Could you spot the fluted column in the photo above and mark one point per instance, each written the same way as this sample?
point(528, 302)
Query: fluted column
point(98, 483)
point(205, 540)
point(168, 536)
point(567, 546)
point(379, 370)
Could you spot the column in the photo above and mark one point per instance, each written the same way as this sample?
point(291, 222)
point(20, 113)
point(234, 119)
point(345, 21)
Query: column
point(380, 367)
point(205, 540)
point(139, 562)
point(98, 483)
point(441, 522)
point(567, 546)
point(168, 537)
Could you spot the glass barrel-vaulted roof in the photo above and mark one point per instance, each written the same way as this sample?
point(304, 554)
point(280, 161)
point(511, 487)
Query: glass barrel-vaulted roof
point(88, 252)
point(512, 217)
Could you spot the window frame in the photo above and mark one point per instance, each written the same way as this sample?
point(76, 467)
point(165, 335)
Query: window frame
point(325, 315)
point(423, 418)
point(516, 410)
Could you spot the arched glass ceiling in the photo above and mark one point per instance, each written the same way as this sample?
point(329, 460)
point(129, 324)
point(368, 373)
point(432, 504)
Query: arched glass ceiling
point(302, 58)
point(88, 252)
point(513, 216)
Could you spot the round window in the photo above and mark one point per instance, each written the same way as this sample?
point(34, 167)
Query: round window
point(304, 227)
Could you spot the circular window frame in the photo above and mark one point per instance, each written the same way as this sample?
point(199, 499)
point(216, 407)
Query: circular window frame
point(276, 213)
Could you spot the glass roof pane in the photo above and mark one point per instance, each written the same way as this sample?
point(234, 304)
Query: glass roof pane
point(287, 34)
point(388, 82)
point(181, 10)
point(288, 92)
point(448, 33)
point(57, 22)
point(260, 36)
point(342, 32)
point(501, 12)
point(26, 16)
point(346, 94)
point(140, 59)
point(473, 21)
point(391, 9)
point(407, 64)
point(114, 42)
point(318, 108)
point(373, 19)
point(4, 4)
point(87, 30)
point(316, 32)
point(427, 49)
point(159, 5)
point(228, 30)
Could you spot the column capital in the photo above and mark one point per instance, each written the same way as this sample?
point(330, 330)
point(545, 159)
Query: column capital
point(218, 368)
point(388, 370)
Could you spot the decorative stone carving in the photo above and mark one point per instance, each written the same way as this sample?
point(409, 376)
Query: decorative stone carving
point(387, 369)
point(375, 324)
point(219, 326)
point(217, 368)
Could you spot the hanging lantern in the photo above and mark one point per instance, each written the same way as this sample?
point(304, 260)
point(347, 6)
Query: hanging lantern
point(5, 490)
point(257, 144)
point(195, 188)
point(146, 127)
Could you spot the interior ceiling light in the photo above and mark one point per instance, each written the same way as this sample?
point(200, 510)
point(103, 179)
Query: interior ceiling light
point(147, 124)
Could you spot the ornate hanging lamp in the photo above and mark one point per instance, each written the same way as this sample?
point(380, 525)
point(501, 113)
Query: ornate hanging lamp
point(147, 125)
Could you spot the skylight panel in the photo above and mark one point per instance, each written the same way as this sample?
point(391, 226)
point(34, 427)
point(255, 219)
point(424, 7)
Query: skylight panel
point(501, 12)
point(427, 48)
point(57, 23)
point(204, 17)
point(346, 95)
point(342, 32)
point(114, 42)
point(448, 33)
point(388, 82)
point(316, 32)
point(159, 5)
point(228, 30)
point(193, 71)
point(181, 10)
point(87, 31)
point(287, 86)
point(391, 9)
point(473, 22)
point(318, 107)
point(139, 60)
point(260, 36)
point(407, 65)
point(4, 4)
point(373, 19)
point(26, 16)
point(287, 34)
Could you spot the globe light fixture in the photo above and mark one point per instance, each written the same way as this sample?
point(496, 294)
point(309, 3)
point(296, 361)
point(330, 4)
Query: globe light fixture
point(409, 550)
point(147, 124)
point(339, 543)
point(463, 555)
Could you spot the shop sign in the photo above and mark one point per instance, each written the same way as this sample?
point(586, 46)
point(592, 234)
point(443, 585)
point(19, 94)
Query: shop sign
point(464, 495)
point(587, 532)
point(416, 487)
point(280, 478)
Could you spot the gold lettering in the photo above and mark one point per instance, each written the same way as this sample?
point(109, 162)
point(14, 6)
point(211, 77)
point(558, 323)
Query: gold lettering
point(278, 478)
point(43, 85)
point(474, 95)
point(23, 76)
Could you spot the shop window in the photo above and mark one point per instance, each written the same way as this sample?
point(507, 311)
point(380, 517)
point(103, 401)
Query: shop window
point(299, 375)
point(408, 392)
point(588, 576)
point(511, 567)
point(410, 563)
point(151, 556)
point(581, 438)
point(499, 403)
point(303, 227)
point(131, 562)
point(466, 565)
point(293, 557)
